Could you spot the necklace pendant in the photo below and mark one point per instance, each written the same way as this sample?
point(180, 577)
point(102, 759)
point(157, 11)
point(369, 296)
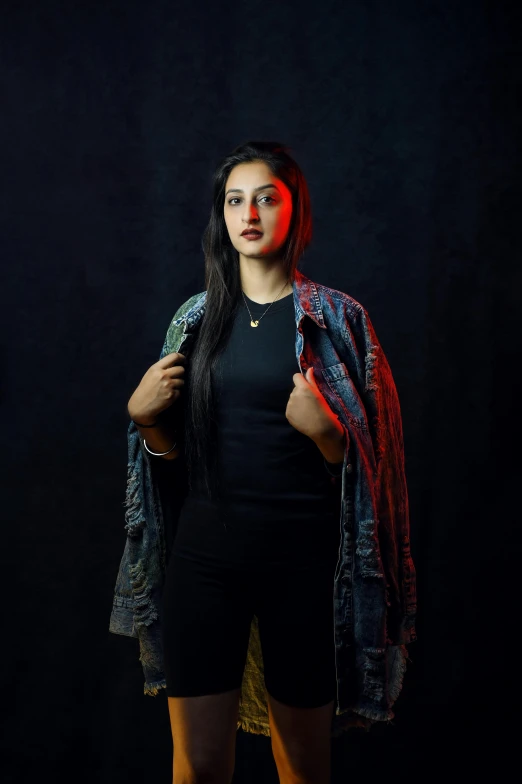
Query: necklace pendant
point(254, 323)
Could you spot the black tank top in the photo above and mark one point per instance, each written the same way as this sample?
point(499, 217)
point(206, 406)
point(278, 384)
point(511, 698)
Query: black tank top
point(278, 503)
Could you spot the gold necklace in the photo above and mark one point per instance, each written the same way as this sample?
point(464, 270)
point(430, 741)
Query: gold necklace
point(255, 323)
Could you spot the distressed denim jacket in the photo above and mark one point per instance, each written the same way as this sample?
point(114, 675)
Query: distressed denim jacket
point(374, 588)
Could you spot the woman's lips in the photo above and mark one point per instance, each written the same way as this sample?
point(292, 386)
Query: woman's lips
point(252, 236)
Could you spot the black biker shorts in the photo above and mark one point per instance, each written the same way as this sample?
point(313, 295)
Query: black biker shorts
point(207, 611)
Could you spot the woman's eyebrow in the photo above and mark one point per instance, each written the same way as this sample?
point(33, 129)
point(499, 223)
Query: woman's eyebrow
point(260, 188)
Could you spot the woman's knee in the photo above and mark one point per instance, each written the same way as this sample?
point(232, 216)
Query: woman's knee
point(204, 737)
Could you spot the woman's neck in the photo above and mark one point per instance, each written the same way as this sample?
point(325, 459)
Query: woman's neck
point(263, 294)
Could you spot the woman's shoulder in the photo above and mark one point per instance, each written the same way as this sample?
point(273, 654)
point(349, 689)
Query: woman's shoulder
point(188, 305)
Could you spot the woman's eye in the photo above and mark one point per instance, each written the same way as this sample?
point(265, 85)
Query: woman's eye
point(236, 198)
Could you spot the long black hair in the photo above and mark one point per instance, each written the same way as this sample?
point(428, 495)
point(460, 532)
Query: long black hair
point(223, 285)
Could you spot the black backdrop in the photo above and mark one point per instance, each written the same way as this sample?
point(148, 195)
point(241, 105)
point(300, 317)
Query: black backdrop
point(404, 118)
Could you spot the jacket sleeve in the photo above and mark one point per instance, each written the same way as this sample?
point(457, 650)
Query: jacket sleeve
point(382, 406)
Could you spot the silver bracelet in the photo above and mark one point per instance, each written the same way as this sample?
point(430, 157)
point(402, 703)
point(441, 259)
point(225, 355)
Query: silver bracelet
point(157, 454)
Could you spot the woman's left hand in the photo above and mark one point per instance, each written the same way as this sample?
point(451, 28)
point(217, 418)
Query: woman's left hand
point(307, 409)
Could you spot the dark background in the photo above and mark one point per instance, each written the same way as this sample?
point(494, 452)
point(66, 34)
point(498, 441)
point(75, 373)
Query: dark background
point(405, 118)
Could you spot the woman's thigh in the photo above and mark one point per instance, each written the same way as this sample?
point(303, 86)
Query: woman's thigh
point(207, 613)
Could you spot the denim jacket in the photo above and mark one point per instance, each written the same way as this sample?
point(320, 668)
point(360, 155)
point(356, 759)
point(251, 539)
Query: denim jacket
point(374, 590)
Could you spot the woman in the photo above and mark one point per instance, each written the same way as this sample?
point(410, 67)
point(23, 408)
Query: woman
point(277, 384)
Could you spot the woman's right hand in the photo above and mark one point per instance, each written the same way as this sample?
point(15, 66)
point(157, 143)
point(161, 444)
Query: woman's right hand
point(159, 388)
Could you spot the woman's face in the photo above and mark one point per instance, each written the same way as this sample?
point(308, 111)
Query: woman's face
point(268, 209)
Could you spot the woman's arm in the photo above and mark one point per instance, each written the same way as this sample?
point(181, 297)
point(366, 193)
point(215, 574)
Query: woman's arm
point(161, 437)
